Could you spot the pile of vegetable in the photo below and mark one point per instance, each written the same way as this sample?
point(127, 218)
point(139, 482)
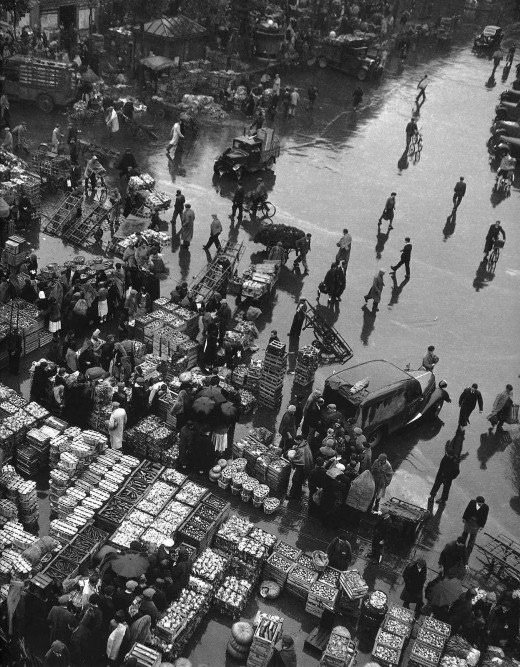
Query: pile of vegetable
point(270, 235)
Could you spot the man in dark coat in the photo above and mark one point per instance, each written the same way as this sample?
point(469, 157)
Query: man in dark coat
point(448, 471)
point(467, 402)
point(453, 556)
point(148, 606)
point(178, 206)
point(287, 428)
point(59, 620)
point(414, 576)
point(298, 320)
point(123, 598)
point(406, 254)
point(474, 518)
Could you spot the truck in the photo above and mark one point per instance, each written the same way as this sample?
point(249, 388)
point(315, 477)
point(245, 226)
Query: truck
point(249, 154)
point(46, 82)
point(381, 398)
point(351, 56)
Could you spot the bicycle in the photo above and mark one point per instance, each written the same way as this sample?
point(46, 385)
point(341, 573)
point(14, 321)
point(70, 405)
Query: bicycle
point(416, 144)
point(263, 210)
point(503, 185)
point(495, 254)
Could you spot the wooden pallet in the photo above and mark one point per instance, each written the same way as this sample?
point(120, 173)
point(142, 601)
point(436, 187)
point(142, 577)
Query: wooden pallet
point(64, 215)
point(79, 232)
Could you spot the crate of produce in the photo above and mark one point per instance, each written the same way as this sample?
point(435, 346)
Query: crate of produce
point(385, 655)
point(191, 494)
point(209, 566)
point(391, 624)
point(330, 576)
point(268, 540)
point(250, 551)
point(277, 568)
point(145, 656)
point(425, 655)
point(402, 615)
point(232, 596)
point(267, 633)
point(300, 580)
point(340, 650)
point(386, 638)
point(430, 638)
point(321, 596)
point(439, 627)
point(196, 531)
point(353, 584)
point(230, 533)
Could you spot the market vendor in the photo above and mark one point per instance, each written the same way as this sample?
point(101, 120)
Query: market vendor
point(339, 552)
point(179, 578)
point(285, 654)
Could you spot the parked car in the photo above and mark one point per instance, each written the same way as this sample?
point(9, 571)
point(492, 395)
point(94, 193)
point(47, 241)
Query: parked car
point(381, 398)
point(490, 38)
point(249, 154)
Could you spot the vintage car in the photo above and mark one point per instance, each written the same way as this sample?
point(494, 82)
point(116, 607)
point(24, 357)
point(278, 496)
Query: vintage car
point(351, 57)
point(506, 128)
point(249, 154)
point(489, 38)
point(382, 398)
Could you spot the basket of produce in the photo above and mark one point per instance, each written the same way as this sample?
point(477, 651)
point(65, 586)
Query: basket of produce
point(268, 540)
point(270, 590)
point(439, 627)
point(260, 494)
point(430, 638)
point(386, 655)
point(396, 627)
point(340, 649)
point(232, 596)
point(271, 505)
point(278, 568)
point(402, 615)
point(209, 566)
point(320, 560)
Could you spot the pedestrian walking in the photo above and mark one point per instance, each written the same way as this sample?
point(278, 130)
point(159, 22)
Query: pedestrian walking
point(430, 359)
point(238, 202)
point(414, 576)
point(187, 224)
point(411, 131)
point(56, 138)
point(287, 428)
point(276, 85)
point(448, 470)
point(300, 456)
point(215, 231)
point(333, 284)
point(298, 320)
point(389, 210)
point(116, 425)
point(406, 253)
point(474, 518)
point(453, 557)
point(178, 208)
point(497, 57)
point(495, 230)
point(382, 472)
point(380, 534)
point(510, 55)
point(293, 102)
point(111, 121)
point(458, 192)
point(343, 254)
point(376, 290)
point(176, 136)
point(357, 96)
point(303, 247)
point(312, 94)
point(467, 402)
point(501, 411)
point(421, 87)
point(286, 101)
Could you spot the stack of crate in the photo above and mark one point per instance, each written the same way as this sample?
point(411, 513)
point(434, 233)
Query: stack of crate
point(273, 373)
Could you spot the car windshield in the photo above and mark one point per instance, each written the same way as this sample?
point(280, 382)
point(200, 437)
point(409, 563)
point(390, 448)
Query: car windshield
point(237, 143)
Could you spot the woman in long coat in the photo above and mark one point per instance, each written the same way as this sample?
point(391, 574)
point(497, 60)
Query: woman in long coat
point(376, 290)
point(382, 473)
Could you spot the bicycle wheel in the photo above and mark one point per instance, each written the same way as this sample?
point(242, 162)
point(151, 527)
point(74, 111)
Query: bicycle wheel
point(269, 210)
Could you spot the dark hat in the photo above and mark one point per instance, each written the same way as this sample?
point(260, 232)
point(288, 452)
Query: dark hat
point(480, 499)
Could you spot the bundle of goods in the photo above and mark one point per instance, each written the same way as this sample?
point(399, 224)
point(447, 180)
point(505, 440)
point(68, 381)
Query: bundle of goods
point(270, 235)
point(244, 333)
point(209, 566)
point(321, 596)
point(145, 656)
point(307, 362)
point(141, 188)
point(267, 633)
point(340, 650)
point(274, 369)
point(232, 596)
point(353, 584)
point(230, 533)
point(152, 238)
point(260, 279)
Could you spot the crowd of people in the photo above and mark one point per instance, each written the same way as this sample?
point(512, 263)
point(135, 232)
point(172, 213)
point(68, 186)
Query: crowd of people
point(101, 615)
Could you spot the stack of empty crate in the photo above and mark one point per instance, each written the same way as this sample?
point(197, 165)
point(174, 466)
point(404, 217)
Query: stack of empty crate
point(273, 373)
point(306, 365)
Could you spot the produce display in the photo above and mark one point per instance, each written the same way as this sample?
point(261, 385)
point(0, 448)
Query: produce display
point(286, 550)
point(452, 661)
point(385, 654)
point(353, 584)
point(401, 614)
point(340, 650)
point(233, 594)
point(377, 600)
point(209, 565)
point(181, 612)
point(266, 539)
point(191, 494)
point(439, 627)
point(389, 639)
point(424, 655)
point(431, 638)
point(330, 576)
point(251, 551)
point(269, 627)
point(397, 628)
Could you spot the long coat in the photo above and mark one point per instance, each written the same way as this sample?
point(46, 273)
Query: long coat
point(377, 288)
point(188, 219)
point(414, 580)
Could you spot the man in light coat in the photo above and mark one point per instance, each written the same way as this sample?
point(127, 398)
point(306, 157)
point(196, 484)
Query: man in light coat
point(116, 426)
point(214, 232)
point(174, 141)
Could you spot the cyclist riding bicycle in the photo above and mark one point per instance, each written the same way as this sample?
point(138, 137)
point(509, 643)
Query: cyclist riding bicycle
point(92, 169)
point(492, 235)
point(258, 196)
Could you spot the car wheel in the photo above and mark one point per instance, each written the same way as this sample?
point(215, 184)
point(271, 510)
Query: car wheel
point(362, 74)
point(45, 103)
point(374, 439)
point(270, 163)
point(322, 62)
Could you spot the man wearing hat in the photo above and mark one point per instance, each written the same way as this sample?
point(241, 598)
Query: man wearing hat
point(287, 428)
point(148, 606)
point(123, 598)
point(215, 231)
point(59, 620)
point(474, 518)
point(330, 417)
point(57, 656)
point(116, 425)
point(178, 207)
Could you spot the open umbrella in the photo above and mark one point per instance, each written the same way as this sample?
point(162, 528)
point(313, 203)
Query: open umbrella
point(445, 592)
point(203, 406)
point(130, 566)
point(214, 393)
point(228, 410)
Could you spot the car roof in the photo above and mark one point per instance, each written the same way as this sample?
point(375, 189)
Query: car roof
point(381, 374)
